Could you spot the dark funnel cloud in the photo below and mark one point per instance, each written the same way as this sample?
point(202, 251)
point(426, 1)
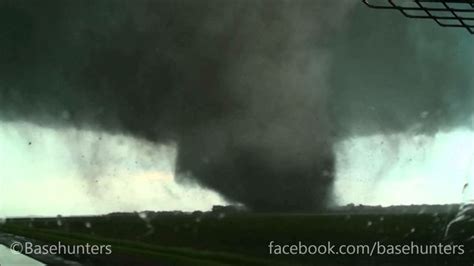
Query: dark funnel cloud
point(254, 93)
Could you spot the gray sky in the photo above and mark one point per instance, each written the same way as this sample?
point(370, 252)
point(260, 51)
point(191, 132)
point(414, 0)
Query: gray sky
point(43, 178)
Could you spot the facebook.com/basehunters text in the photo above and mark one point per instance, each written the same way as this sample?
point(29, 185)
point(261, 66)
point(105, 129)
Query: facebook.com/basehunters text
point(374, 249)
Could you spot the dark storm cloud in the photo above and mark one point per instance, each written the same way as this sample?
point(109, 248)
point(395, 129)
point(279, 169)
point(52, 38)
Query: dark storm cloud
point(254, 93)
point(397, 74)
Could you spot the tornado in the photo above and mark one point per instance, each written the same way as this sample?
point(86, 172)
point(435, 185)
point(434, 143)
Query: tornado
point(254, 94)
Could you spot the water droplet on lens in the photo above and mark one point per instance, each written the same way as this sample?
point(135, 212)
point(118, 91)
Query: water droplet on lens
point(424, 114)
point(142, 215)
point(58, 220)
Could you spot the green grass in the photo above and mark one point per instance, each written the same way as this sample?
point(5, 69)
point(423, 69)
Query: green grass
point(174, 255)
point(241, 239)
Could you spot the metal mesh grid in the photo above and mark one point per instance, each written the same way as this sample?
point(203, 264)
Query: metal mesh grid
point(447, 13)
